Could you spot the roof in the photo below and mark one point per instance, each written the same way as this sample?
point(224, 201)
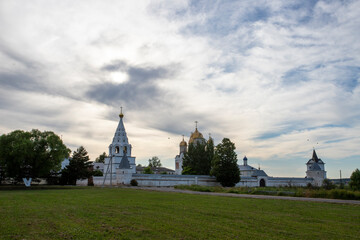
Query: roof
point(246, 167)
point(155, 169)
point(120, 136)
point(258, 173)
point(315, 167)
point(195, 135)
point(124, 164)
point(315, 159)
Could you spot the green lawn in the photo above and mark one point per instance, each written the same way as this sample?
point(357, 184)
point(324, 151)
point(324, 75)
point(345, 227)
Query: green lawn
point(116, 213)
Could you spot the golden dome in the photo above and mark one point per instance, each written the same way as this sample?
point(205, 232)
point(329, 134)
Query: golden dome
point(183, 143)
point(195, 135)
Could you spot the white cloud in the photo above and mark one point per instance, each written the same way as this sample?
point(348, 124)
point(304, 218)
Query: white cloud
point(267, 75)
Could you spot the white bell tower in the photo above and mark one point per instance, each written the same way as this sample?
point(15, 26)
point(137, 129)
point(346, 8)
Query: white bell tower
point(119, 147)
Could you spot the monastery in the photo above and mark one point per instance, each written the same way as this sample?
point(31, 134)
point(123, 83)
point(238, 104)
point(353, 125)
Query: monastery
point(120, 168)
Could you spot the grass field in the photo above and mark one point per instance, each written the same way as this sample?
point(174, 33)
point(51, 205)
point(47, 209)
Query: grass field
point(118, 213)
point(347, 194)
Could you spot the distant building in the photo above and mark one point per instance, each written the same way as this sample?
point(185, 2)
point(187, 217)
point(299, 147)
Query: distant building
point(195, 138)
point(119, 148)
point(119, 168)
point(316, 169)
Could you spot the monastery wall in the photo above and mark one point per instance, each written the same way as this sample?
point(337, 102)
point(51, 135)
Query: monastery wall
point(164, 180)
point(156, 180)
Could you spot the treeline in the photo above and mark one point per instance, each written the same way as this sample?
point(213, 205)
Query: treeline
point(35, 154)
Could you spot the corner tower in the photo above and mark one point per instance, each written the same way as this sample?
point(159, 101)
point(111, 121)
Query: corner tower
point(316, 169)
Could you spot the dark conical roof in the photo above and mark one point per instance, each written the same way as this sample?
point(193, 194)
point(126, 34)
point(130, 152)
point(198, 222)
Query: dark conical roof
point(314, 157)
point(124, 164)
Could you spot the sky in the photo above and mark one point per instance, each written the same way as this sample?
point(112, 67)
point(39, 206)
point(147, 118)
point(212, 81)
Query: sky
point(278, 78)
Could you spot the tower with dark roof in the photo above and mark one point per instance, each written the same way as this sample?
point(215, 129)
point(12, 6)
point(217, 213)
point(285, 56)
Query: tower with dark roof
point(316, 169)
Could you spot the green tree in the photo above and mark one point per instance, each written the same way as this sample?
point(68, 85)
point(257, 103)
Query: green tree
point(355, 180)
point(154, 162)
point(225, 167)
point(97, 173)
point(210, 151)
point(101, 158)
point(31, 154)
point(78, 168)
point(148, 170)
point(196, 160)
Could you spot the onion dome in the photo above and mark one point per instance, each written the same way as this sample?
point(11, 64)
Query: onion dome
point(195, 135)
point(183, 143)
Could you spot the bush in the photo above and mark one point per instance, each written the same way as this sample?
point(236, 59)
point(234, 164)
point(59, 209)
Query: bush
point(327, 184)
point(97, 173)
point(133, 182)
point(148, 170)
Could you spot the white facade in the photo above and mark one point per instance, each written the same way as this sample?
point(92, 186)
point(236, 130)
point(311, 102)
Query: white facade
point(119, 147)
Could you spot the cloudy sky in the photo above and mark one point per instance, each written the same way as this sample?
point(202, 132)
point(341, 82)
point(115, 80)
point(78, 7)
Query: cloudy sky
point(276, 77)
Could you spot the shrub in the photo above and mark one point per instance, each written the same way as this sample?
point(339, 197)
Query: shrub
point(97, 173)
point(148, 170)
point(327, 184)
point(133, 182)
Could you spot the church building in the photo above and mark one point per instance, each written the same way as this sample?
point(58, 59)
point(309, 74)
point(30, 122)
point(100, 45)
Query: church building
point(195, 137)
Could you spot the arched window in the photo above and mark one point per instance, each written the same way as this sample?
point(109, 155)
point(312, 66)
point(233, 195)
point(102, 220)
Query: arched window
point(117, 149)
point(125, 150)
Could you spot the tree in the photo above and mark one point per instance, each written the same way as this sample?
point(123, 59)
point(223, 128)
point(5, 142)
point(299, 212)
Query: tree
point(154, 162)
point(78, 168)
point(210, 151)
point(355, 180)
point(225, 167)
point(101, 158)
point(196, 160)
point(148, 170)
point(32, 154)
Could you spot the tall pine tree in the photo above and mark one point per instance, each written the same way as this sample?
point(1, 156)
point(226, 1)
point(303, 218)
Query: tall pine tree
point(225, 167)
point(78, 168)
point(196, 161)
